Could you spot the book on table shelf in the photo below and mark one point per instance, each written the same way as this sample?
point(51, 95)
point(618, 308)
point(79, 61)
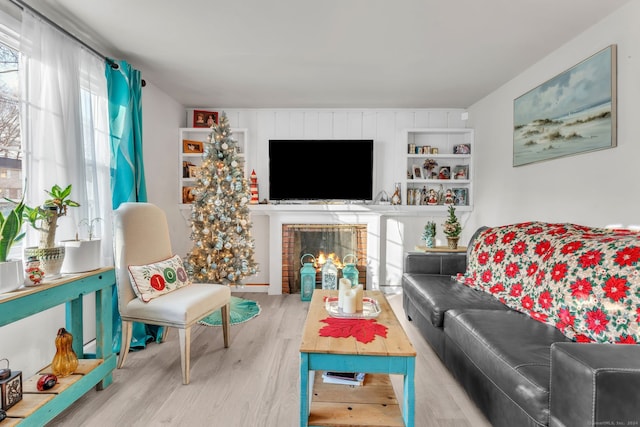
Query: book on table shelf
point(346, 378)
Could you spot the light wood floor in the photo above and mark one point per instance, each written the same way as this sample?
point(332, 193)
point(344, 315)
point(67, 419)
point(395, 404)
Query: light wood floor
point(253, 383)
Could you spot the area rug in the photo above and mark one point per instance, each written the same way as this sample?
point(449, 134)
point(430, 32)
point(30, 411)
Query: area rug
point(242, 310)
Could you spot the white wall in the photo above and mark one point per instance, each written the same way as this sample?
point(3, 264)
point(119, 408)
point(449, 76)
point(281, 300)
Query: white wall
point(597, 188)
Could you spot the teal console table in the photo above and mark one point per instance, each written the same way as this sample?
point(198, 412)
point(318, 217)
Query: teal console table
point(94, 370)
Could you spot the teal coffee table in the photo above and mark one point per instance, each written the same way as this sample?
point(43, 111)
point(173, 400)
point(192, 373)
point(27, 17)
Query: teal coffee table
point(374, 401)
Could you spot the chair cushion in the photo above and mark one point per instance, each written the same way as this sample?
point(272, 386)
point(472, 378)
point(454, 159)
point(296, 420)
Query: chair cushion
point(153, 280)
point(181, 308)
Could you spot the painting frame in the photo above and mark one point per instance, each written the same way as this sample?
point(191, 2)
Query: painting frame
point(204, 118)
point(192, 147)
point(581, 118)
point(187, 195)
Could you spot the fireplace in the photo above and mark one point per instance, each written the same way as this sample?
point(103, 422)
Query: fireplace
point(322, 241)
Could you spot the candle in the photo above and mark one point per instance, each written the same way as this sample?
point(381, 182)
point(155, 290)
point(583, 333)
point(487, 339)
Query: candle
point(345, 285)
point(349, 301)
point(359, 295)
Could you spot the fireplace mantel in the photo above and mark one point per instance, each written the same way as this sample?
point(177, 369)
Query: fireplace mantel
point(369, 215)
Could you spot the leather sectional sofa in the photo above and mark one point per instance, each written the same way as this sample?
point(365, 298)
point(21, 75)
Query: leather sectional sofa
point(534, 359)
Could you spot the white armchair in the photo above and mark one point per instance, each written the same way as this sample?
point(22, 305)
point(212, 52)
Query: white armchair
point(141, 236)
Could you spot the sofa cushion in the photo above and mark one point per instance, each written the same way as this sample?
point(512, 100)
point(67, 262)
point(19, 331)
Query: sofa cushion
point(511, 350)
point(582, 280)
point(434, 294)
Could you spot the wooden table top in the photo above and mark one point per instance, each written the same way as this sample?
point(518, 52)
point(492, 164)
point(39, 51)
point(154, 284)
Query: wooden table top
point(395, 344)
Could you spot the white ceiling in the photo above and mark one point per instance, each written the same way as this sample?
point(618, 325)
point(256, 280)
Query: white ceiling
point(329, 53)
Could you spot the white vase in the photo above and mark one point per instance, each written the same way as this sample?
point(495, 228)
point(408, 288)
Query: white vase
point(10, 275)
point(81, 255)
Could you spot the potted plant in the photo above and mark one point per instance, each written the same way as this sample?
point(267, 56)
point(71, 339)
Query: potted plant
point(83, 254)
point(429, 234)
point(452, 228)
point(45, 219)
point(10, 233)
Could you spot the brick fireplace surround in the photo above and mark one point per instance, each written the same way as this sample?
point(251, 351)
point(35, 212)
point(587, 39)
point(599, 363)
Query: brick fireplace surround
point(291, 251)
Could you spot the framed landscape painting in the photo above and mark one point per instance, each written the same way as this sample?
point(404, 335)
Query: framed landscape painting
point(572, 113)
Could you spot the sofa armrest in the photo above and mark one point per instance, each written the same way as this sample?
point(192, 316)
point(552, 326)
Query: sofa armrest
point(594, 384)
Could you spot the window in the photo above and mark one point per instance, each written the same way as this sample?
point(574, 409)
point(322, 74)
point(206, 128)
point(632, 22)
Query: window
point(11, 184)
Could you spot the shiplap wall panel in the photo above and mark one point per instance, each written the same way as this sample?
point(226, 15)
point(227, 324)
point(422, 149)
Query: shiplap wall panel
point(385, 126)
point(311, 124)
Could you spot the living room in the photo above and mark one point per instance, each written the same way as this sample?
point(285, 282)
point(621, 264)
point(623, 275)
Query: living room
point(591, 188)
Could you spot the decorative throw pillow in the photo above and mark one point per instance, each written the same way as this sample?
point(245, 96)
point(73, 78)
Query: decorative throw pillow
point(153, 280)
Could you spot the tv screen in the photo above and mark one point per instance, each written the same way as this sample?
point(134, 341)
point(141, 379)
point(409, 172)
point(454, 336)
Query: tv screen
point(336, 169)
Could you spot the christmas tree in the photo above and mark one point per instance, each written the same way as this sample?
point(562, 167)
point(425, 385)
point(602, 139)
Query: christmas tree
point(223, 248)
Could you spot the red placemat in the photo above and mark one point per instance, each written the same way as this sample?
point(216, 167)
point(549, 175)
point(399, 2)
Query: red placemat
point(363, 330)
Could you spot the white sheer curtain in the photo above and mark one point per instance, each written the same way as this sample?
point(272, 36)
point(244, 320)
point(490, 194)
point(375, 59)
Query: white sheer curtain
point(65, 128)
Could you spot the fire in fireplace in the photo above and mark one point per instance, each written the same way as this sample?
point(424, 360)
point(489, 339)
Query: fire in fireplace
point(322, 241)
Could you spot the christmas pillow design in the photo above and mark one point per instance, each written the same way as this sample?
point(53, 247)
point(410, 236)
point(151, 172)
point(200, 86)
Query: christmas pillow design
point(153, 280)
point(584, 281)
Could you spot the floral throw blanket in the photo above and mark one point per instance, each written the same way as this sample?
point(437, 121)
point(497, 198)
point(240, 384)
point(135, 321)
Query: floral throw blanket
point(584, 281)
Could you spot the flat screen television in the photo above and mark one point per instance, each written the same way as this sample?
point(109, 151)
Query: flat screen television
point(321, 170)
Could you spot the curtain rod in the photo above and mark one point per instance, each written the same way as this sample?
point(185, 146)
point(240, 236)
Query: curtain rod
point(22, 5)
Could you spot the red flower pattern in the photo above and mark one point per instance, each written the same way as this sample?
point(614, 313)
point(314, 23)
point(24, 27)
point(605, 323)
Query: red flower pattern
point(616, 288)
point(585, 281)
point(627, 256)
point(581, 289)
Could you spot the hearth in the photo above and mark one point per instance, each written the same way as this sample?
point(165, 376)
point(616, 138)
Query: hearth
point(322, 241)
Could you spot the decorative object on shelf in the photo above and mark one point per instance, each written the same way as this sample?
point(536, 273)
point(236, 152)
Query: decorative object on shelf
point(204, 119)
point(434, 150)
point(461, 172)
point(33, 274)
point(417, 172)
point(10, 233)
point(350, 271)
point(448, 197)
point(253, 187)
point(585, 121)
point(65, 361)
point(187, 195)
point(396, 199)
point(45, 219)
point(10, 386)
point(460, 197)
point(382, 198)
point(432, 198)
point(429, 165)
point(429, 234)
point(223, 249)
point(462, 149)
point(46, 382)
point(307, 278)
point(329, 275)
point(186, 169)
point(192, 147)
point(444, 172)
point(452, 228)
